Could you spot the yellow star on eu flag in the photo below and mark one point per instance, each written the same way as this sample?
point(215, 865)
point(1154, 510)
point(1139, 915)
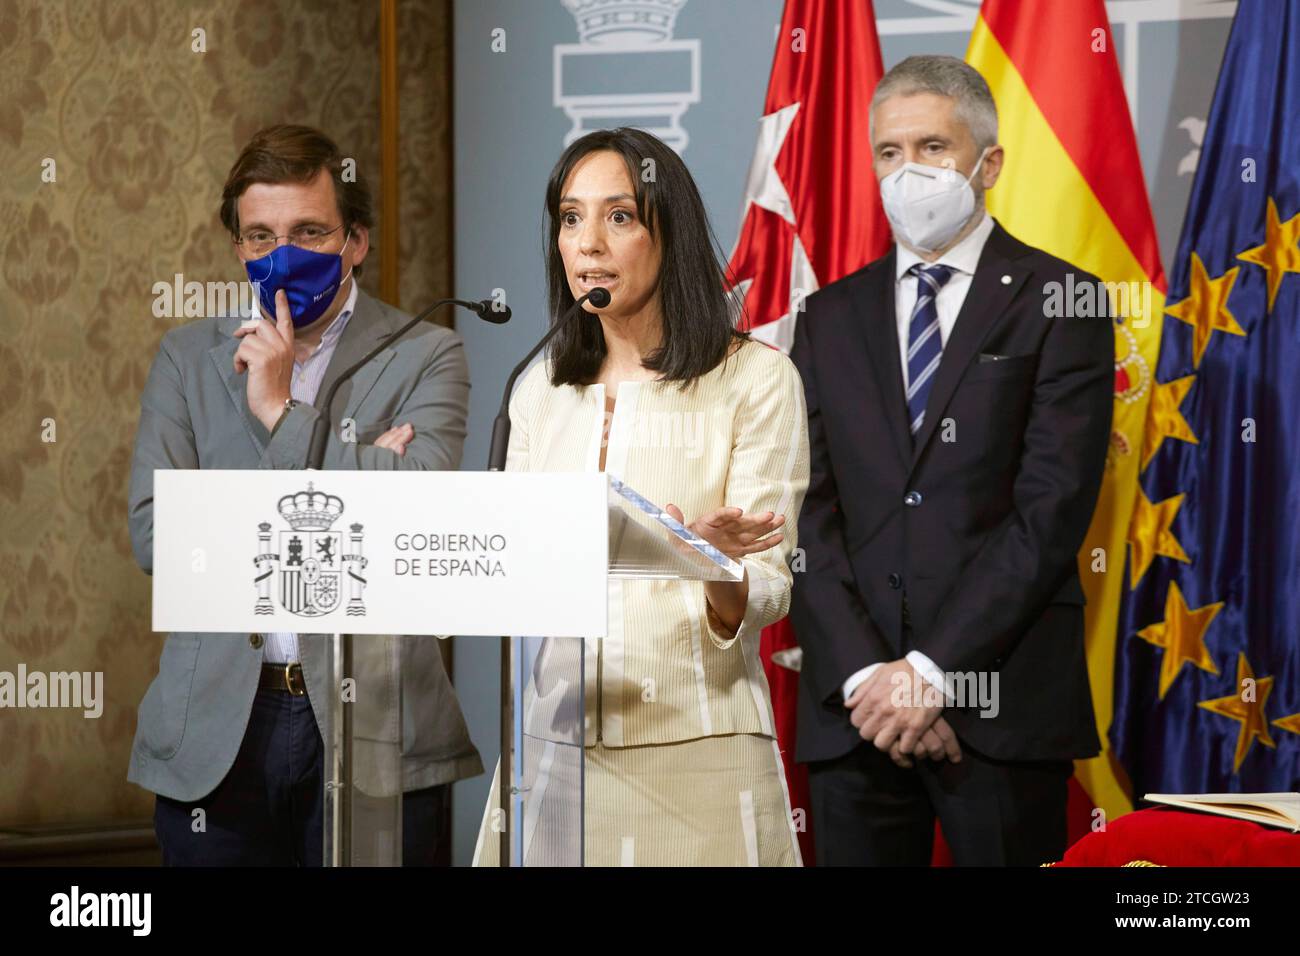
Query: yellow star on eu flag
point(1247, 706)
point(1182, 635)
point(1164, 420)
point(1290, 722)
point(1280, 252)
point(1206, 307)
point(1149, 534)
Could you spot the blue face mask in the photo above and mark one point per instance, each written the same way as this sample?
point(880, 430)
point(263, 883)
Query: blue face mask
point(310, 279)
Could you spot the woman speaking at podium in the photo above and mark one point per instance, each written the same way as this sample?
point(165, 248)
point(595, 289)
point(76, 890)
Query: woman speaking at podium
point(660, 390)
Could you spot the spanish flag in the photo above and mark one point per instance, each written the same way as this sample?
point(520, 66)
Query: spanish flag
point(1072, 185)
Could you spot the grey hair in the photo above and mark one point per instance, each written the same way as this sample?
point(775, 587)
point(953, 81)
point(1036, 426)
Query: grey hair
point(945, 76)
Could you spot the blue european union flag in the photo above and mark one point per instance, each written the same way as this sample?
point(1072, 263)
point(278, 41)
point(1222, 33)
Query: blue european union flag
point(1207, 677)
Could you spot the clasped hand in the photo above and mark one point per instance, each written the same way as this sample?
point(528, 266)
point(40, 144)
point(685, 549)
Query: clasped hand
point(884, 712)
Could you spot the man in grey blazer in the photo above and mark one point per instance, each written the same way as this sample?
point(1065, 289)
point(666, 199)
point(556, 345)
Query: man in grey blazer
point(232, 725)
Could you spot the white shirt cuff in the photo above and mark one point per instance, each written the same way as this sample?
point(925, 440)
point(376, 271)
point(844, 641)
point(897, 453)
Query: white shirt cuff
point(929, 672)
point(927, 668)
point(857, 678)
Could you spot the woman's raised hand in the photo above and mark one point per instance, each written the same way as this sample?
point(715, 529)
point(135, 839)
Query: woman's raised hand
point(735, 533)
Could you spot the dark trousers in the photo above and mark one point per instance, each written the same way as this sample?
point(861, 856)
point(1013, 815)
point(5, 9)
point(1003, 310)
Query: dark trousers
point(269, 808)
point(868, 811)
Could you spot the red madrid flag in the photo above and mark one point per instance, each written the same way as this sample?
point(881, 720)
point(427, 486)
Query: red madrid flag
point(812, 215)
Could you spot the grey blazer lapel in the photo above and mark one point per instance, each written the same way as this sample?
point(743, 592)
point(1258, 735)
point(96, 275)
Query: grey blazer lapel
point(223, 355)
point(368, 325)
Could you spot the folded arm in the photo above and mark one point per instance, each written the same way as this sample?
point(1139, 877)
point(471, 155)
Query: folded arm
point(435, 409)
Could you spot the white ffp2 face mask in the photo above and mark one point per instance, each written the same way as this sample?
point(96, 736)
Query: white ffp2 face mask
point(928, 205)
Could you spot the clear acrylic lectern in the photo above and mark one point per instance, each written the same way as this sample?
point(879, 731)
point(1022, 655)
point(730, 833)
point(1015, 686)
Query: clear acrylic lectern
point(537, 818)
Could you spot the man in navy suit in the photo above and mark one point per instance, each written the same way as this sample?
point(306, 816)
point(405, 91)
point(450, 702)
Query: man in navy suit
point(958, 429)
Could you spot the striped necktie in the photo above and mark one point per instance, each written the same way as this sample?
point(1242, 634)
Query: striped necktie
point(924, 345)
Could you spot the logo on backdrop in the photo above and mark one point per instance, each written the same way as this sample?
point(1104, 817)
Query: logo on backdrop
point(312, 563)
point(627, 70)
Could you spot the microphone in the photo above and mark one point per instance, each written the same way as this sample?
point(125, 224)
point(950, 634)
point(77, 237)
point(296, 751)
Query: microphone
point(599, 297)
point(490, 311)
point(485, 309)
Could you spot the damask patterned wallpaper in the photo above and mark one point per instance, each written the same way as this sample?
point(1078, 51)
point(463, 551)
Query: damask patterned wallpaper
point(137, 128)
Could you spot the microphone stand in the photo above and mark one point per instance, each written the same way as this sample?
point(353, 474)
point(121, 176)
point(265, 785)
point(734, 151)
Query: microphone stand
point(599, 297)
point(341, 651)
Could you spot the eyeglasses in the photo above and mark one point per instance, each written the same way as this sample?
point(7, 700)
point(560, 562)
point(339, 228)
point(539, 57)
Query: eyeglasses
point(259, 242)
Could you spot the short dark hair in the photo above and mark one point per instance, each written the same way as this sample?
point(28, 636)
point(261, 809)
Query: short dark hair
point(946, 76)
point(286, 153)
point(697, 322)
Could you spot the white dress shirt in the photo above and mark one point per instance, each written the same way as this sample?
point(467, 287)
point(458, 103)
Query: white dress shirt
point(282, 646)
point(963, 258)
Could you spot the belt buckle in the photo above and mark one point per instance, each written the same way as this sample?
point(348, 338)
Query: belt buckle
point(298, 690)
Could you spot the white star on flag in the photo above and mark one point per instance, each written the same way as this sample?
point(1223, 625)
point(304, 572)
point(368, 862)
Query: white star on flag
point(764, 188)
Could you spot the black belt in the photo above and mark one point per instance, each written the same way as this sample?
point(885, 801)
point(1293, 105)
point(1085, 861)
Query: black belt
point(286, 678)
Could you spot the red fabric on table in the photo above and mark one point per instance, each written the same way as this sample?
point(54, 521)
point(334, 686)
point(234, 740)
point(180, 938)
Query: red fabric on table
point(1170, 837)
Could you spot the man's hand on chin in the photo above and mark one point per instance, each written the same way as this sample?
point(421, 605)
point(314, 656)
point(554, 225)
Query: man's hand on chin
point(266, 353)
point(884, 710)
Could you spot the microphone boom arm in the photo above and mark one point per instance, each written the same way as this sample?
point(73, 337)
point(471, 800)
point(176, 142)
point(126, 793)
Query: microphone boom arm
point(320, 429)
point(501, 425)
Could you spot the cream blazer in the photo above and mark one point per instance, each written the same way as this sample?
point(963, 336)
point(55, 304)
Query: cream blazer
point(737, 436)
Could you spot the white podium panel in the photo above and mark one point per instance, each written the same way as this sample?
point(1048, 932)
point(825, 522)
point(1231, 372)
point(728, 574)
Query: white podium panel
point(365, 552)
point(353, 553)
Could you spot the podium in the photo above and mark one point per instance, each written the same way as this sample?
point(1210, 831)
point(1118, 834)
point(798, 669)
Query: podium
point(357, 559)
